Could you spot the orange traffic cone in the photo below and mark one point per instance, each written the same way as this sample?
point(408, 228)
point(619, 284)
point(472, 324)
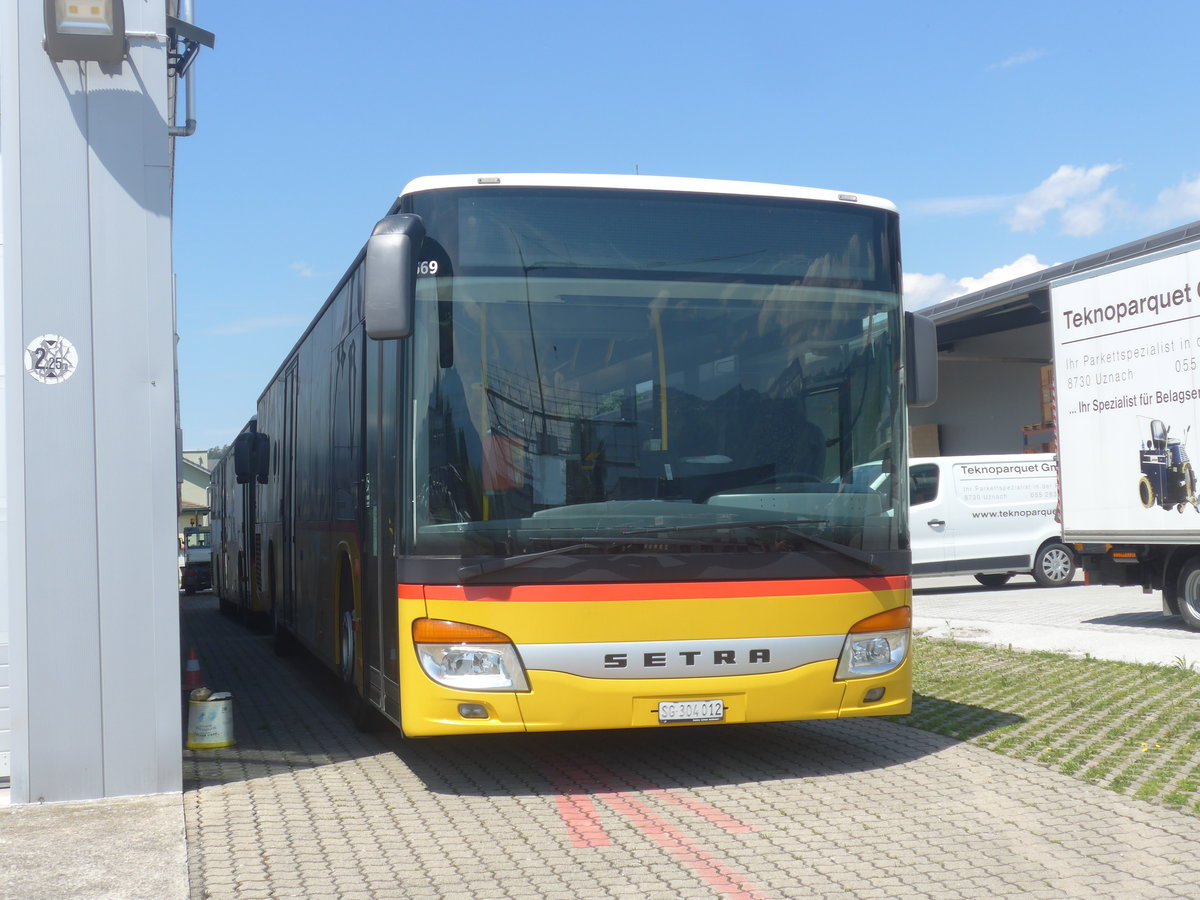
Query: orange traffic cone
point(191, 672)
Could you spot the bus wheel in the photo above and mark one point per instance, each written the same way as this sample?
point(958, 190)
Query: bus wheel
point(1053, 565)
point(346, 664)
point(1189, 593)
point(346, 623)
point(1146, 492)
point(362, 714)
point(282, 641)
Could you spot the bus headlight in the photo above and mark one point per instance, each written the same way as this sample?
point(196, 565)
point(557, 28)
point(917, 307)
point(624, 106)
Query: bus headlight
point(468, 657)
point(877, 644)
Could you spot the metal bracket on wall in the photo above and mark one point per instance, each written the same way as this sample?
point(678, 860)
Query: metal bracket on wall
point(192, 37)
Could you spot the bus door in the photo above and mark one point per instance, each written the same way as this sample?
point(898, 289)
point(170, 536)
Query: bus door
point(381, 524)
point(288, 498)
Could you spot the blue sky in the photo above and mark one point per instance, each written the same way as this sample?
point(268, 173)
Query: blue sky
point(1011, 136)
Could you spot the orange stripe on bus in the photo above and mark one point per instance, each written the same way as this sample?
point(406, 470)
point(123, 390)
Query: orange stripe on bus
point(685, 590)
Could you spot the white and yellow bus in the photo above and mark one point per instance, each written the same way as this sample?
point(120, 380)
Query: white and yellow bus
point(572, 452)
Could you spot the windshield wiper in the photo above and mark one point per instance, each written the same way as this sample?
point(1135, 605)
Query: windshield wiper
point(490, 566)
point(790, 526)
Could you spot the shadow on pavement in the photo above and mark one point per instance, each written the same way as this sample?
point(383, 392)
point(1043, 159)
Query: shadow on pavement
point(961, 721)
point(289, 717)
point(639, 760)
point(1153, 620)
point(966, 587)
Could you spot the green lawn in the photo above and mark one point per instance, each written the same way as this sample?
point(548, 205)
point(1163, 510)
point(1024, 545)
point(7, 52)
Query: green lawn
point(1132, 728)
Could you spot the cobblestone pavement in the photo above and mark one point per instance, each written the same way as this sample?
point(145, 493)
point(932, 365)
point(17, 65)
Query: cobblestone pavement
point(304, 806)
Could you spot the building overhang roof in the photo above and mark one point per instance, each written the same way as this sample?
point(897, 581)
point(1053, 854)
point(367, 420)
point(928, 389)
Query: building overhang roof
point(1026, 300)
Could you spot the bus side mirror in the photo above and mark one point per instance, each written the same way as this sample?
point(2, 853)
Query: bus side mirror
point(251, 457)
point(262, 457)
point(921, 359)
point(390, 276)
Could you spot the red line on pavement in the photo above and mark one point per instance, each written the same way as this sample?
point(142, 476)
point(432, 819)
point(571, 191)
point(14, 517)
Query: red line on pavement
point(605, 777)
point(712, 814)
point(582, 821)
point(716, 875)
point(699, 807)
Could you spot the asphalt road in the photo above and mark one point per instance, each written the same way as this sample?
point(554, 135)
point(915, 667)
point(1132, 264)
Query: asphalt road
point(1118, 623)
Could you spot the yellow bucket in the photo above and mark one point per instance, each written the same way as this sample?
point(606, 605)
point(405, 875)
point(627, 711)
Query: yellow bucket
point(210, 722)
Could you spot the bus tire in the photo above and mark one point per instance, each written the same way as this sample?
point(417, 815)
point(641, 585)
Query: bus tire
point(282, 641)
point(362, 714)
point(1053, 564)
point(1188, 595)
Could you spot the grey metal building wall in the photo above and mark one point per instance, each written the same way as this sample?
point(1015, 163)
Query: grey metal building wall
point(90, 587)
point(5, 702)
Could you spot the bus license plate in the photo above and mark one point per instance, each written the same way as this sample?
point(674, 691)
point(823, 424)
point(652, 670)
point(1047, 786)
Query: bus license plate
point(691, 710)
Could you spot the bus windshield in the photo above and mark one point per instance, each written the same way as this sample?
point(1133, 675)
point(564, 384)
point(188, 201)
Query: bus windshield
point(596, 366)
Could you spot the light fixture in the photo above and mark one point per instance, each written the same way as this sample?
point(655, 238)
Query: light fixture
point(85, 30)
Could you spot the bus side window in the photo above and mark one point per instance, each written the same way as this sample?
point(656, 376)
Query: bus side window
point(923, 484)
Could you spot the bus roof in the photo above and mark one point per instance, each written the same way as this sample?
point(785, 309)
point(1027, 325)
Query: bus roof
point(643, 183)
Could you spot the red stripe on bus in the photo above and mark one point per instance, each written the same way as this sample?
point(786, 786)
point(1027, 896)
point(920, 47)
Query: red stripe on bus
point(686, 590)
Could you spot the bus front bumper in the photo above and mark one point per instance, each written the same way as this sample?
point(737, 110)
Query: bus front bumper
point(561, 702)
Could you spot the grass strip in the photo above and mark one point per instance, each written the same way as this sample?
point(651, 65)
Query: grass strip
point(1134, 729)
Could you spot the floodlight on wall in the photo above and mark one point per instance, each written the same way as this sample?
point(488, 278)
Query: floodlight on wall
point(85, 30)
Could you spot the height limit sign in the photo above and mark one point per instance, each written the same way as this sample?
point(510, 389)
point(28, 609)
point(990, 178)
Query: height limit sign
point(51, 359)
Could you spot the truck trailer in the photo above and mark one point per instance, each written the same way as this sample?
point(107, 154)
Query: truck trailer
point(1127, 381)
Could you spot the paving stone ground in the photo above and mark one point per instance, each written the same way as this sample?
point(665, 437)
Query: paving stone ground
point(304, 806)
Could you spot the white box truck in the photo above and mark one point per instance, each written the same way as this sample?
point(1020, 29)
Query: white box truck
point(1127, 385)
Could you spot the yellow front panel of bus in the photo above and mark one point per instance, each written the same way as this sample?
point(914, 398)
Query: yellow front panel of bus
point(599, 646)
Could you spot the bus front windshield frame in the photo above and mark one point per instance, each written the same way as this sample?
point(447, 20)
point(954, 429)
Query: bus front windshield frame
point(654, 373)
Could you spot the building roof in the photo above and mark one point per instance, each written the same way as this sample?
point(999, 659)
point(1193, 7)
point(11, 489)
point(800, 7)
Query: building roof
point(196, 466)
point(1026, 300)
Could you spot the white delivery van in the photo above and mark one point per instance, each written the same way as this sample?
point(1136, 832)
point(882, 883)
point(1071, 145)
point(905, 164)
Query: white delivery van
point(988, 516)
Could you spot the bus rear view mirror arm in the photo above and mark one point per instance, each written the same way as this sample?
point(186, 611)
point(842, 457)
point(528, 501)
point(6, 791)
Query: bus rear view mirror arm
point(390, 276)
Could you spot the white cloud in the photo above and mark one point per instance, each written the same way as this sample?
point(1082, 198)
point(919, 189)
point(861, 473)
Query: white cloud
point(1026, 265)
point(304, 270)
point(926, 290)
point(261, 323)
point(1177, 204)
point(960, 206)
point(921, 291)
point(1088, 216)
point(1019, 60)
point(1070, 191)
